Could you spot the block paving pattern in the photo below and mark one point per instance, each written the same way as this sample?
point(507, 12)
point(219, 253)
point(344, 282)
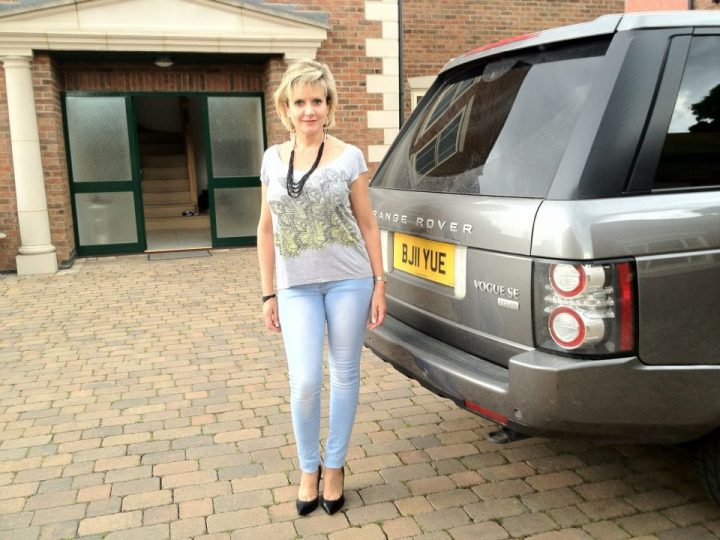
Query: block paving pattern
point(145, 399)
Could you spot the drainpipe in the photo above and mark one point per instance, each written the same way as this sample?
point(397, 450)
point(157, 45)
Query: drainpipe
point(401, 75)
point(690, 5)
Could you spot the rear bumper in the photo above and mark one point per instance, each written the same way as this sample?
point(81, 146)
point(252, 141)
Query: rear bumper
point(545, 394)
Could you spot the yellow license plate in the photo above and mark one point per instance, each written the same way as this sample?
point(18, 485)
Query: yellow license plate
point(425, 258)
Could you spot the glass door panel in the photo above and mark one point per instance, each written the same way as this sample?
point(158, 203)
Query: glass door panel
point(104, 174)
point(236, 136)
point(237, 211)
point(103, 218)
point(98, 137)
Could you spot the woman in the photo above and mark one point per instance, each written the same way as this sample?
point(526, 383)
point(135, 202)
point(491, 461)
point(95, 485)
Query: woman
point(318, 237)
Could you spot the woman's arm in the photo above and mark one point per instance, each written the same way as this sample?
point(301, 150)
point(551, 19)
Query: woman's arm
point(266, 259)
point(362, 209)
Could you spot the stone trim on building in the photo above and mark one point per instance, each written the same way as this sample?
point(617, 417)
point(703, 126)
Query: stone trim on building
point(388, 82)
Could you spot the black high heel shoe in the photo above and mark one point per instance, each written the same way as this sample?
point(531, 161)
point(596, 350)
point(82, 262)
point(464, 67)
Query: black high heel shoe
point(305, 507)
point(332, 506)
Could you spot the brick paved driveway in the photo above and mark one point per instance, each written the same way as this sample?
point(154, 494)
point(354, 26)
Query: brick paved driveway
point(145, 400)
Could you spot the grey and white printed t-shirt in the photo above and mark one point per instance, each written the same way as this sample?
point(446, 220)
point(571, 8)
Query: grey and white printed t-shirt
point(316, 236)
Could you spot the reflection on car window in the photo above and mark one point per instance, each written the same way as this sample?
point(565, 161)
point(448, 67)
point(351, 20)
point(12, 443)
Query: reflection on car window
point(691, 154)
point(498, 128)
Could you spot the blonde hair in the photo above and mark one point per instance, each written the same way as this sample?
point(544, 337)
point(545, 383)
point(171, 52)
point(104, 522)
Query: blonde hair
point(302, 72)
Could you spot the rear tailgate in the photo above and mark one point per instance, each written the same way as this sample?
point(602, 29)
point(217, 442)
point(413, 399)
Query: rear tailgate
point(458, 268)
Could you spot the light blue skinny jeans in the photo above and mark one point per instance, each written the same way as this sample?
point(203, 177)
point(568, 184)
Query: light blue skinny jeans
point(305, 310)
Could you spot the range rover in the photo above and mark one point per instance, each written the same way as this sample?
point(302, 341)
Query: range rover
point(550, 224)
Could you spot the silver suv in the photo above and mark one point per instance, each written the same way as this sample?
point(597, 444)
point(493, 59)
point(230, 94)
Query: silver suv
point(550, 221)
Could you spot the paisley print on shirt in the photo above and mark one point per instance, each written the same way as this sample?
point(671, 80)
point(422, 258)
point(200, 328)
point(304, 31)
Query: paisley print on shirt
point(317, 219)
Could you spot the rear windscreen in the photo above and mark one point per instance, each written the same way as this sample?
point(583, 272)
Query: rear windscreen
point(499, 127)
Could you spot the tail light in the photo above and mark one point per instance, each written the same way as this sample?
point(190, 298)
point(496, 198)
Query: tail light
point(584, 308)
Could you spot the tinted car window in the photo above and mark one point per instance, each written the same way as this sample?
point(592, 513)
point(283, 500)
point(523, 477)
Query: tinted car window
point(691, 153)
point(498, 128)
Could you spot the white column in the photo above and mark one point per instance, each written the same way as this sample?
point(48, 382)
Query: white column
point(36, 254)
point(387, 83)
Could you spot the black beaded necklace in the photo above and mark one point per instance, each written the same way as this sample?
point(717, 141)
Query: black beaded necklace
point(294, 189)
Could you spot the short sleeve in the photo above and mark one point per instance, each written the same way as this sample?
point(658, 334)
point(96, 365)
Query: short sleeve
point(264, 176)
point(357, 164)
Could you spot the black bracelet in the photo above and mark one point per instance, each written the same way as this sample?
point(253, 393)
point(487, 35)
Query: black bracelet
point(268, 297)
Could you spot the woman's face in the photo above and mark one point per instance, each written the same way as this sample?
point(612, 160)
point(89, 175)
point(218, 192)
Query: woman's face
point(308, 109)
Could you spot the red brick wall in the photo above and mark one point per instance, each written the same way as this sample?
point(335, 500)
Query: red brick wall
point(274, 128)
point(8, 202)
point(705, 4)
point(427, 45)
point(52, 146)
point(146, 77)
point(344, 52)
point(669, 5)
point(655, 5)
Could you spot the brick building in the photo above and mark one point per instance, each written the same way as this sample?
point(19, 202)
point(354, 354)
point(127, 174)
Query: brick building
point(128, 126)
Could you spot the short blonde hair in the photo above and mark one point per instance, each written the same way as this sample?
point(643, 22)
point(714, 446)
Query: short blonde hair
point(302, 72)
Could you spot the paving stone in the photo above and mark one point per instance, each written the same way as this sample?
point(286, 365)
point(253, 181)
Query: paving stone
point(113, 417)
point(451, 498)
point(189, 493)
point(31, 533)
point(320, 524)
point(371, 513)
point(146, 500)
point(607, 509)
point(369, 532)
point(435, 484)
point(15, 520)
point(527, 524)
point(103, 507)
point(400, 528)
point(160, 514)
point(495, 509)
point(486, 531)
point(153, 532)
point(414, 505)
point(563, 534)
point(605, 530)
point(502, 489)
point(442, 519)
point(197, 508)
point(243, 500)
point(51, 500)
point(56, 515)
point(556, 498)
point(229, 521)
point(646, 523)
point(55, 485)
point(187, 528)
point(67, 529)
point(568, 516)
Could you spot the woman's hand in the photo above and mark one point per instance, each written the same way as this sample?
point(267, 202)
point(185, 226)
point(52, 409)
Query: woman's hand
point(271, 315)
point(378, 306)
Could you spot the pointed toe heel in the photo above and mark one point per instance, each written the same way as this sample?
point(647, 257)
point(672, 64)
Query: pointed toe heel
point(332, 506)
point(305, 507)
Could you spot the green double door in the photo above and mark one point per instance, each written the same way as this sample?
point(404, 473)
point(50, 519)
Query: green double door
point(105, 172)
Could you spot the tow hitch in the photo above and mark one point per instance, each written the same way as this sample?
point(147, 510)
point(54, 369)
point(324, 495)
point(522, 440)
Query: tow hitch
point(505, 435)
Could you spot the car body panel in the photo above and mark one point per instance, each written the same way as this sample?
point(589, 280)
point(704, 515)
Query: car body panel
point(476, 341)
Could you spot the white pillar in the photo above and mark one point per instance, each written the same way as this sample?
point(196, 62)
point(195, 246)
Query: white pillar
point(36, 254)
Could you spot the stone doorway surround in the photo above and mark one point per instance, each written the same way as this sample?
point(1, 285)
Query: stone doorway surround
point(161, 26)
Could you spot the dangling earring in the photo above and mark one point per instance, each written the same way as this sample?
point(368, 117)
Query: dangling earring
point(325, 131)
